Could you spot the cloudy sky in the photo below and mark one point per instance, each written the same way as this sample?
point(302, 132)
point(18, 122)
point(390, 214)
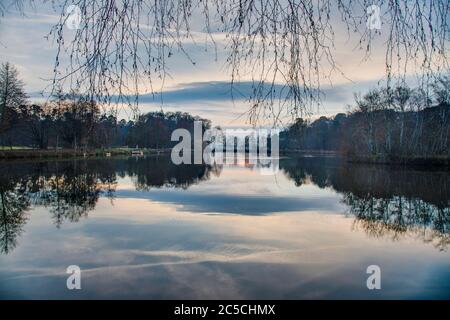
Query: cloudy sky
point(202, 89)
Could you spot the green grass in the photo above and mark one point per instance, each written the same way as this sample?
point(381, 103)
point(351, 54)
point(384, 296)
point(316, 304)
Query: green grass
point(15, 148)
point(29, 153)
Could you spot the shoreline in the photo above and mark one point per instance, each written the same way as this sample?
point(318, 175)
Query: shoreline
point(72, 153)
point(433, 161)
point(419, 161)
point(32, 154)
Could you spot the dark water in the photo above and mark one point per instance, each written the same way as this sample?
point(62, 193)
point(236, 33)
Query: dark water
point(144, 228)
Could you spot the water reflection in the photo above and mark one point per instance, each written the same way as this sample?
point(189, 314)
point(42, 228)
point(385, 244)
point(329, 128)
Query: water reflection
point(71, 189)
point(13, 206)
point(386, 203)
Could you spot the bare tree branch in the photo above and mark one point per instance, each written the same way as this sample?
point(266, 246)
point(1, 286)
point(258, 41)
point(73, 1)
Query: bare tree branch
point(122, 45)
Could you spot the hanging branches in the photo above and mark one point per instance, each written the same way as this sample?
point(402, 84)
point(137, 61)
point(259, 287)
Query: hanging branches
point(122, 47)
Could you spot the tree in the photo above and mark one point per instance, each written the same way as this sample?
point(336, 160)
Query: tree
point(12, 96)
point(122, 44)
point(441, 90)
point(402, 97)
point(367, 107)
point(391, 123)
point(75, 118)
point(106, 131)
point(38, 123)
point(152, 130)
point(442, 97)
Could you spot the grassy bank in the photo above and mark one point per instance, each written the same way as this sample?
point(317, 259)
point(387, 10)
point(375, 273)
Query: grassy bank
point(309, 152)
point(27, 153)
point(442, 160)
point(411, 160)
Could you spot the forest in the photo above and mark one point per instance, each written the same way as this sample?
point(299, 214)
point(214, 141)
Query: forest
point(399, 122)
point(73, 121)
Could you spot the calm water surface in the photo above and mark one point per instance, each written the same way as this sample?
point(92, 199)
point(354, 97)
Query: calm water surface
point(144, 228)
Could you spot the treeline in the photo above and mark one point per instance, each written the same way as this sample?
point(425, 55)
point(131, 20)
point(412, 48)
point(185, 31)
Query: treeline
point(79, 124)
point(395, 122)
point(76, 122)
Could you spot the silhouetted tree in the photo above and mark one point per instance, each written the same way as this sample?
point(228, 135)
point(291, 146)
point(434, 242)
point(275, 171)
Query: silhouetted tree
point(397, 122)
point(122, 44)
point(39, 124)
point(12, 95)
point(76, 117)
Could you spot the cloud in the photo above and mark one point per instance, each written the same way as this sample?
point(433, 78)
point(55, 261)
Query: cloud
point(226, 104)
point(231, 204)
point(226, 91)
point(202, 88)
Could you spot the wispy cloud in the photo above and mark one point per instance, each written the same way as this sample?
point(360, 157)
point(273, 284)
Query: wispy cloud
point(202, 88)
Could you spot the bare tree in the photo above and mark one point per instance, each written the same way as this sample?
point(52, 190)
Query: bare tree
point(12, 95)
point(402, 97)
point(6, 5)
point(442, 97)
point(441, 90)
point(122, 44)
point(368, 106)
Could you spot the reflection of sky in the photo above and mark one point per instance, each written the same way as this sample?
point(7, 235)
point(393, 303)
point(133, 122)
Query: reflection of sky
point(145, 245)
point(242, 191)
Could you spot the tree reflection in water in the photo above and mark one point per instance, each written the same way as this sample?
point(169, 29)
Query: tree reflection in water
point(385, 202)
point(157, 172)
point(71, 189)
point(13, 207)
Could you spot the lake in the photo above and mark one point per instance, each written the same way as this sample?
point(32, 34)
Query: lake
point(144, 228)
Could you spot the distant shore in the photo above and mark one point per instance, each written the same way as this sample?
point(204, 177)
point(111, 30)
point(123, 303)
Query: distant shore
point(442, 160)
point(413, 160)
point(30, 153)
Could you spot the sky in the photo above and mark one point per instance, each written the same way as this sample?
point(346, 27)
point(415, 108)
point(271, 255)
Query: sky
point(202, 89)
